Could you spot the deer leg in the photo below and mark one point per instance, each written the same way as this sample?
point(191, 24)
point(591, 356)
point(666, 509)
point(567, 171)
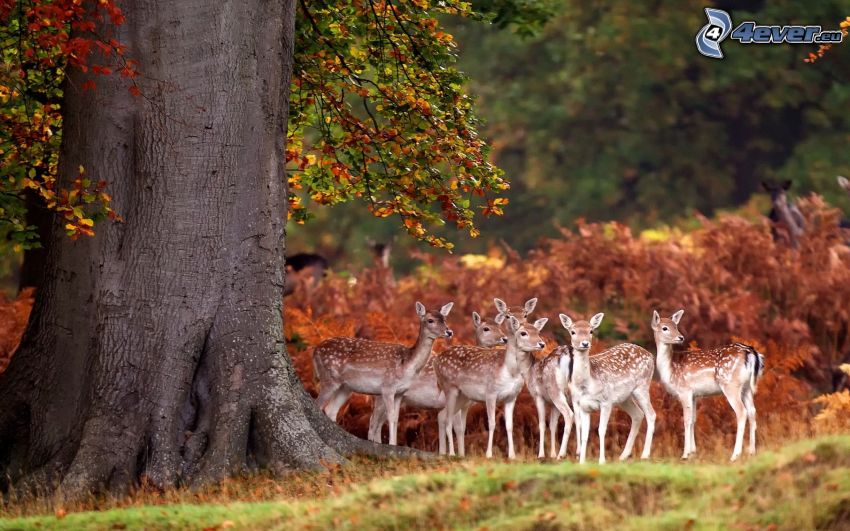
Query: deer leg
point(693, 442)
point(750, 405)
point(377, 420)
point(509, 427)
point(733, 395)
point(392, 413)
point(635, 413)
point(578, 420)
point(604, 415)
point(451, 405)
point(541, 424)
point(585, 430)
point(337, 401)
point(326, 393)
point(561, 408)
point(644, 402)
point(554, 415)
point(460, 431)
point(490, 402)
point(687, 412)
point(441, 431)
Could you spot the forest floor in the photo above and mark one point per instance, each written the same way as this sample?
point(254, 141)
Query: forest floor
point(803, 485)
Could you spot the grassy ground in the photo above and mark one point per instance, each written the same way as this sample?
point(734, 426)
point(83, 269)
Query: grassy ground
point(803, 486)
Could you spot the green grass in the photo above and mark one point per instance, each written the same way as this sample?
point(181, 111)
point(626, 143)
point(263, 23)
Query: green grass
point(803, 486)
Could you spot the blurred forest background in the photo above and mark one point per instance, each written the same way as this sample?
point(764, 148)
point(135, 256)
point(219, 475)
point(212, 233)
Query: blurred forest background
point(607, 112)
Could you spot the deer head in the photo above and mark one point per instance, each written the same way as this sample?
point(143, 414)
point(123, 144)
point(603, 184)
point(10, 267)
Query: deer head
point(581, 332)
point(433, 322)
point(522, 312)
point(777, 191)
point(667, 330)
point(527, 336)
point(487, 333)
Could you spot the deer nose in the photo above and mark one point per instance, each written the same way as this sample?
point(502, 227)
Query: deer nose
point(449, 333)
point(503, 340)
point(585, 344)
point(681, 339)
point(541, 344)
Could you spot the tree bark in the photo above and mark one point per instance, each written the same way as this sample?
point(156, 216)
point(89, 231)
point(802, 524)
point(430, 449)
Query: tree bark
point(156, 347)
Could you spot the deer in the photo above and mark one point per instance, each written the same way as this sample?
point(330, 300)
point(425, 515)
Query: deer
point(732, 370)
point(503, 311)
point(424, 392)
point(620, 376)
point(489, 375)
point(784, 212)
point(548, 381)
point(346, 365)
point(844, 183)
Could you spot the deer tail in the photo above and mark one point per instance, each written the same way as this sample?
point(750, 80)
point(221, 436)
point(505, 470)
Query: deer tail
point(755, 365)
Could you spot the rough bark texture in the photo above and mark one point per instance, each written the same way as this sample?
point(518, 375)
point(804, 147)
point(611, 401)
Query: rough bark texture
point(156, 348)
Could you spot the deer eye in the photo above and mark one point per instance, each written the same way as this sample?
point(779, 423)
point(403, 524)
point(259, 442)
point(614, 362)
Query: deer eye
point(664, 328)
point(486, 328)
point(591, 332)
point(523, 333)
point(573, 332)
point(431, 321)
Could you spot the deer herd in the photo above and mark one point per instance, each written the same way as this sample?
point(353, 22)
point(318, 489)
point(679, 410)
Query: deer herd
point(569, 382)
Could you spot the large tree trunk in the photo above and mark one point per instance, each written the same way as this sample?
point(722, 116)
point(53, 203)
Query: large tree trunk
point(156, 348)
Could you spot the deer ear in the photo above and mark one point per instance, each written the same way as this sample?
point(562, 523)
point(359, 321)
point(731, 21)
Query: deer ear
point(501, 307)
point(513, 323)
point(566, 322)
point(476, 319)
point(420, 309)
point(500, 318)
point(676, 317)
point(596, 320)
point(529, 305)
point(844, 182)
point(655, 319)
point(786, 184)
point(444, 311)
point(540, 323)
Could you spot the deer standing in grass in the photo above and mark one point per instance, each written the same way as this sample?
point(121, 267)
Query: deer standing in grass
point(424, 392)
point(548, 381)
point(618, 376)
point(733, 370)
point(468, 374)
point(346, 365)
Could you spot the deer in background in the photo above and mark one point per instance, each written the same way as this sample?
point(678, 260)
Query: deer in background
point(784, 213)
point(548, 379)
point(346, 365)
point(424, 392)
point(733, 370)
point(468, 373)
point(844, 183)
point(618, 376)
point(520, 312)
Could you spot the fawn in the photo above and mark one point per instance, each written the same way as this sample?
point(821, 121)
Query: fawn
point(548, 379)
point(733, 370)
point(618, 376)
point(424, 393)
point(547, 382)
point(345, 365)
point(468, 373)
